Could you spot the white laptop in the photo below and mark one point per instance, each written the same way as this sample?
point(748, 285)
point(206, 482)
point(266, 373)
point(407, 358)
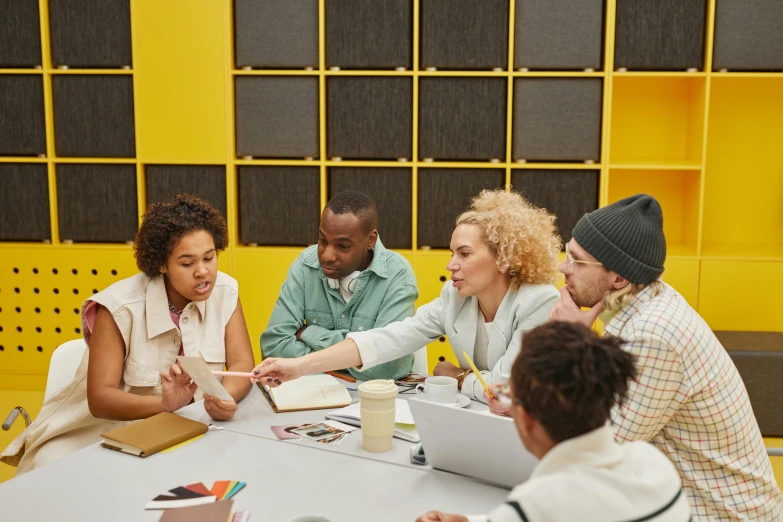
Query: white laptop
point(472, 443)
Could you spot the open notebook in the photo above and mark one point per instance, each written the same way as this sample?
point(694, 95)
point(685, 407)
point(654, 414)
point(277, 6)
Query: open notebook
point(404, 427)
point(311, 392)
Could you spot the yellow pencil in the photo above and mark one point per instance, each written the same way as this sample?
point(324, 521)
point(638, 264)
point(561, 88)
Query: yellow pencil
point(478, 374)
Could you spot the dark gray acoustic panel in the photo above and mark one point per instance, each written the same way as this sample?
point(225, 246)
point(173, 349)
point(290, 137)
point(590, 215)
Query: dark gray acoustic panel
point(758, 357)
point(568, 194)
point(277, 117)
point(369, 34)
point(369, 118)
point(93, 116)
point(567, 34)
point(90, 33)
point(20, 34)
point(392, 192)
point(22, 123)
point(279, 205)
point(464, 34)
point(97, 203)
point(24, 202)
point(462, 118)
point(276, 33)
point(660, 34)
point(557, 119)
point(444, 194)
point(205, 181)
point(748, 35)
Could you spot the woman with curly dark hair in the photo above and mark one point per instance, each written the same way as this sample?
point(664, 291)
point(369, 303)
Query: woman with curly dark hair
point(180, 304)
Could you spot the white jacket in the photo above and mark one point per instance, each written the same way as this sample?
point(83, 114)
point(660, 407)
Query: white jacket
point(592, 477)
point(521, 310)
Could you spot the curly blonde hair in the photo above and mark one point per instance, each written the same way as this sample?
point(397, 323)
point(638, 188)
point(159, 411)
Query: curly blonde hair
point(522, 236)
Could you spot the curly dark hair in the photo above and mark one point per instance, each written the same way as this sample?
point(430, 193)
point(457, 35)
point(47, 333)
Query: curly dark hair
point(165, 223)
point(568, 377)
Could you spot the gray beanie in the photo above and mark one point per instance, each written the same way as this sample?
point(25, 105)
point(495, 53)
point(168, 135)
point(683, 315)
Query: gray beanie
point(627, 237)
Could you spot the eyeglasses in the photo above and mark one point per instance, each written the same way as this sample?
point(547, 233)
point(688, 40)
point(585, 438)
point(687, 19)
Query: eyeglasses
point(570, 261)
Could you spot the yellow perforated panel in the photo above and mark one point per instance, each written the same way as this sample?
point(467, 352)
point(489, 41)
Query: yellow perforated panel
point(41, 293)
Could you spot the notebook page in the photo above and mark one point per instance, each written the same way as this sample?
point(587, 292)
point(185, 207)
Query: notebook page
point(310, 391)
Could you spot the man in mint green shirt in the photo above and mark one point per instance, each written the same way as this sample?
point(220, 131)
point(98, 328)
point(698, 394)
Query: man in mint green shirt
point(347, 283)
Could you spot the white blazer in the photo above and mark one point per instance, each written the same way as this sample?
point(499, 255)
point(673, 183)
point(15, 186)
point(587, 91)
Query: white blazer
point(521, 310)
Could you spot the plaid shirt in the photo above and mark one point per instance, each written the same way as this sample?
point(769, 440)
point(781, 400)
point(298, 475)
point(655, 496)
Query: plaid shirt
point(690, 402)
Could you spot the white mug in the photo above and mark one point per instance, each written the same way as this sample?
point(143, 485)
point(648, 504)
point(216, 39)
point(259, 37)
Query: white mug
point(439, 389)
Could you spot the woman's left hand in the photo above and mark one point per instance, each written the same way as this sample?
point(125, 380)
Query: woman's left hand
point(495, 405)
point(219, 409)
point(438, 516)
point(447, 368)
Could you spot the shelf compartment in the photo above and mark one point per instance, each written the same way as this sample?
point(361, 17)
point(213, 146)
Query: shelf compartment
point(369, 117)
point(97, 203)
point(205, 181)
point(278, 205)
point(743, 188)
point(369, 34)
point(20, 34)
point(557, 119)
point(660, 34)
point(453, 190)
point(657, 120)
point(568, 194)
point(392, 191)
point(559, 35)
point(93, 116)
point(22, 124)
point(728, 302)
point(748, 35)
point(24, 202)
point(276, 33)
point(677, 191)
point(462, 118)
point(90, 33)
point(469, 34)
point(276, 117)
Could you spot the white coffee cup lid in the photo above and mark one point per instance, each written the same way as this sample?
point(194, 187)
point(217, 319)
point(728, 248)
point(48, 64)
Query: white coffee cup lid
point(378, 389)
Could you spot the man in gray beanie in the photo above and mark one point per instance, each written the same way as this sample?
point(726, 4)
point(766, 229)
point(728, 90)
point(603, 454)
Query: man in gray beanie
point(688, 400)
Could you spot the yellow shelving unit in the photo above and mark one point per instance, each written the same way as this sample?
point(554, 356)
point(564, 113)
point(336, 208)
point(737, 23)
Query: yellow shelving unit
point(706, 144)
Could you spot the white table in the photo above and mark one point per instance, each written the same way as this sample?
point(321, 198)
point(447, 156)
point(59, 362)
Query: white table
point(283, 481)
point(255, 417)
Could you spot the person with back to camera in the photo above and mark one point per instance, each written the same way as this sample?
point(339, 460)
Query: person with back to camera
point(180, 304)
point(563, 387)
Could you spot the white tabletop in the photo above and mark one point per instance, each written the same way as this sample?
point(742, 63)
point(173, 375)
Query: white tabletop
point(283, 481)
point(255, 417)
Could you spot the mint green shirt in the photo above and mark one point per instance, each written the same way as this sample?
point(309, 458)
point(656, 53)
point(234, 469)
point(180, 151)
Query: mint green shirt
point(385, 293)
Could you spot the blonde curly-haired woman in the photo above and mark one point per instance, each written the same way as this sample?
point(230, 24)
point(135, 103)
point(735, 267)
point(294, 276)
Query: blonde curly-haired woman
point(504, 254)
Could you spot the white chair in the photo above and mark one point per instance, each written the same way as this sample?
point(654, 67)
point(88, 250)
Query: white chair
point(420, 362)
point(62, 367)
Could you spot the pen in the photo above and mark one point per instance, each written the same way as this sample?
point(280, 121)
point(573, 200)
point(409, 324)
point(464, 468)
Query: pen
point(478, 374)
point(341, 376)
point(234, 374)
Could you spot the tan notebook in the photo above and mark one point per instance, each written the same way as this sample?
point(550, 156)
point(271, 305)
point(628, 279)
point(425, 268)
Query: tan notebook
point(311, 392)
point(149, 436)
point(215, 512)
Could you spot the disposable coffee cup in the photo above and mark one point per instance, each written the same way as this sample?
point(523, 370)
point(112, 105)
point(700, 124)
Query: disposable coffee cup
point(377, 414)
